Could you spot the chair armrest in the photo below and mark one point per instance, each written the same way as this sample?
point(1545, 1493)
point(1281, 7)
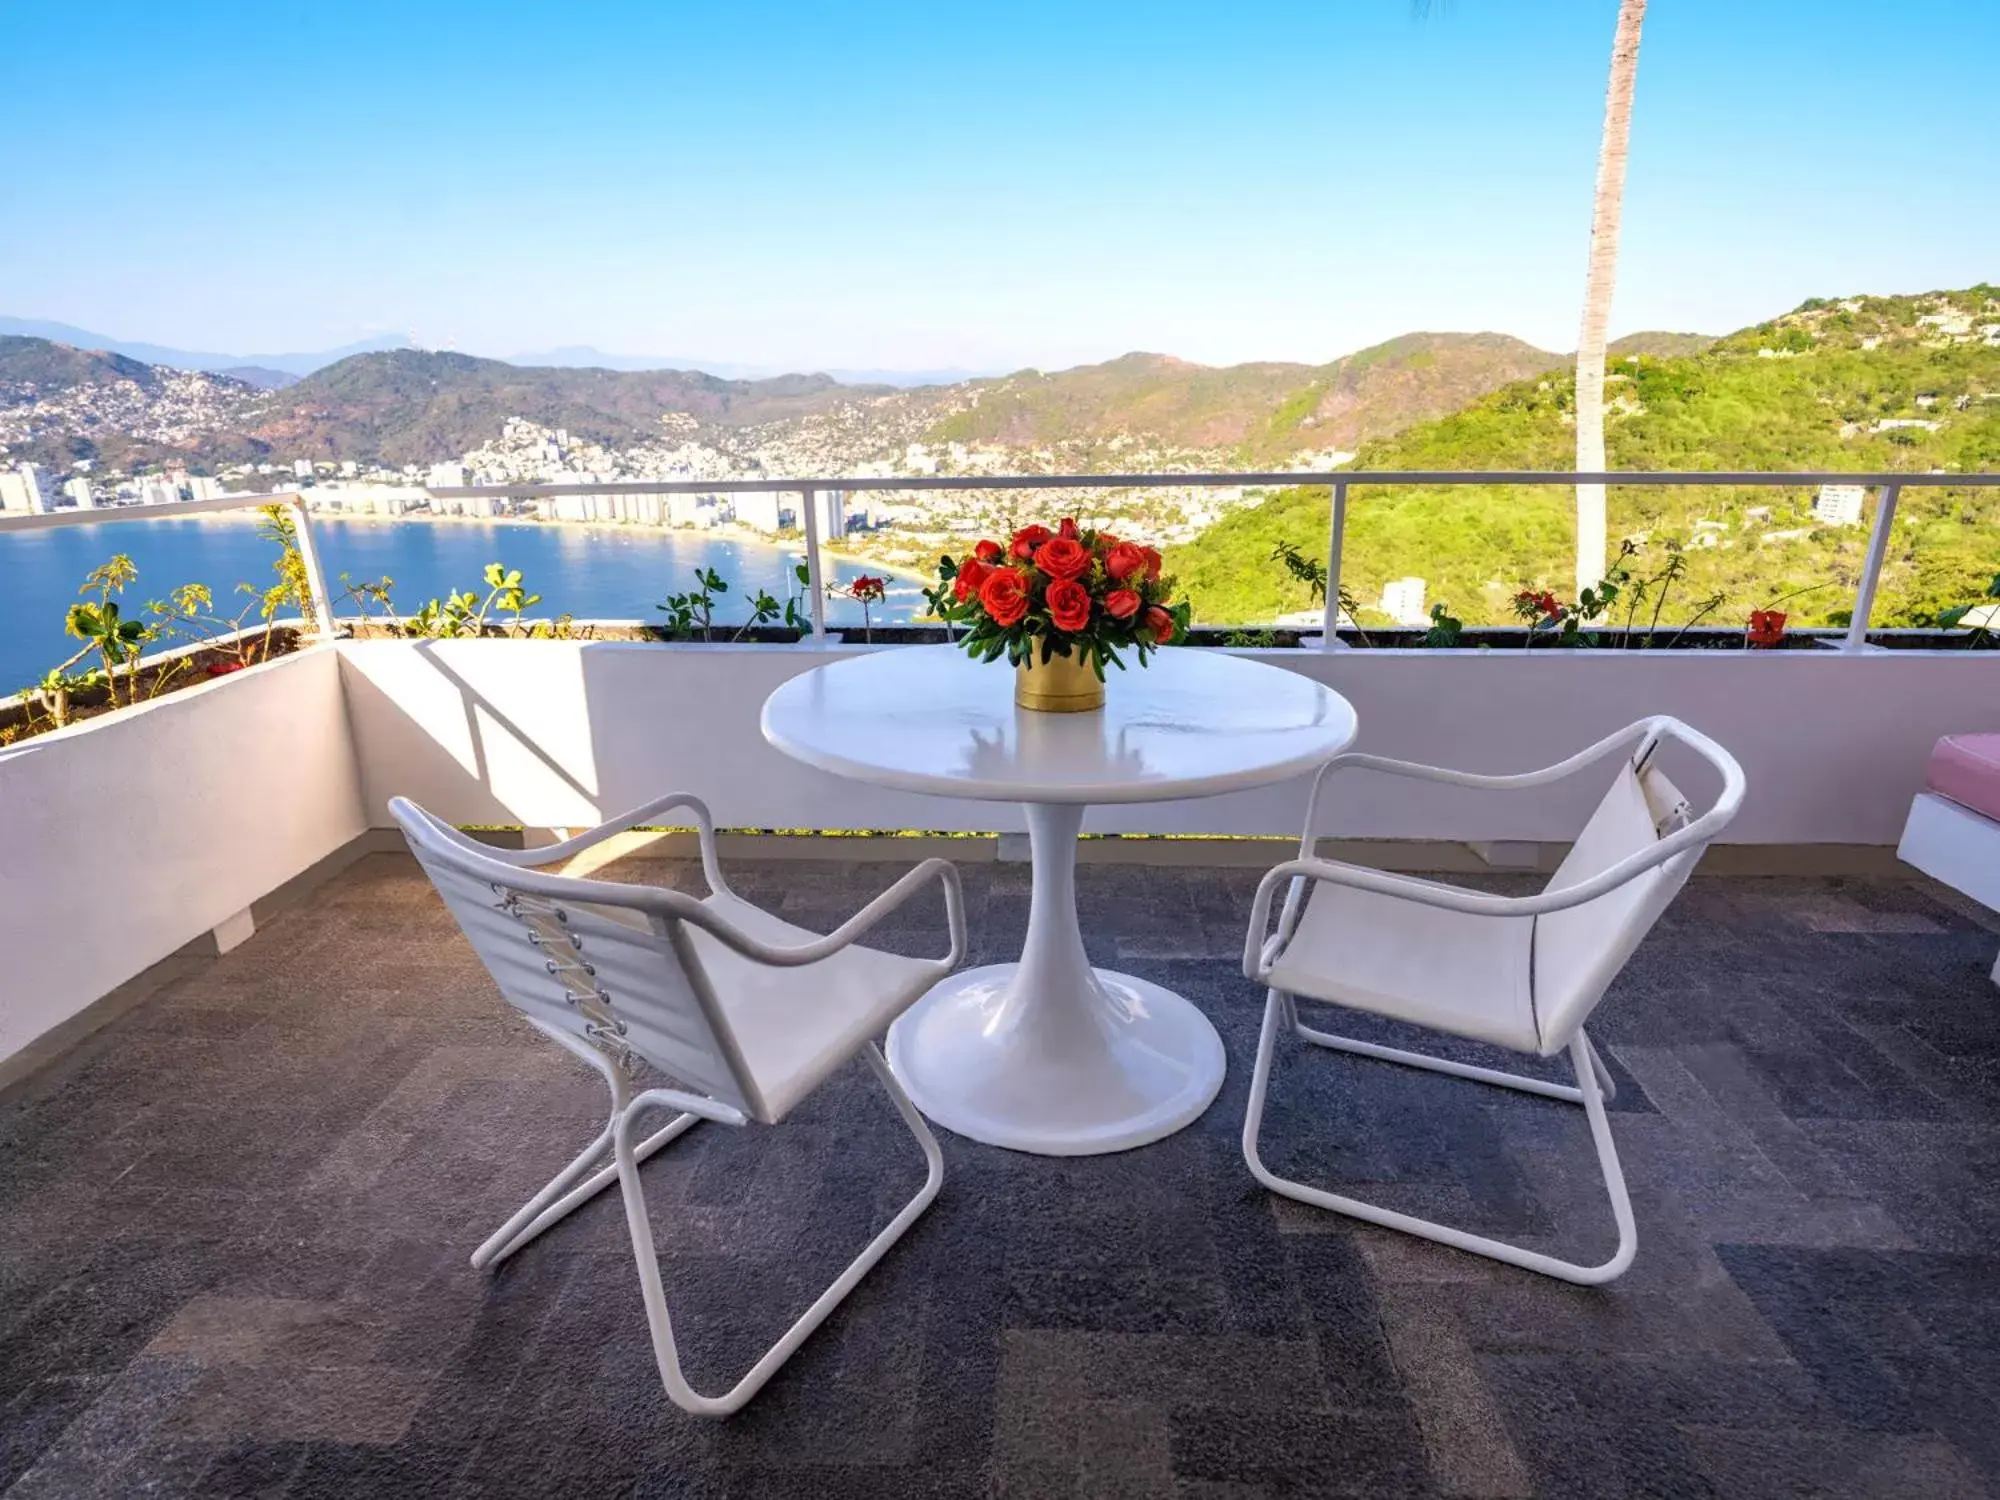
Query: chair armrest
point(555, 854)
point(941, 870)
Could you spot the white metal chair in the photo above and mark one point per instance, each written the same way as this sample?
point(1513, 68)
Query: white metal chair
point(1520, 972)
point(745, 1013)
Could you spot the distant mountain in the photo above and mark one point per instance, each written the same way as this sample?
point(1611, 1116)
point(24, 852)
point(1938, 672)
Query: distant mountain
point(190, 359)
point(414, 406)
point(260, 376)
point(573, 356)
point(53, 369)
point(1261, 413)
point(1860, 384)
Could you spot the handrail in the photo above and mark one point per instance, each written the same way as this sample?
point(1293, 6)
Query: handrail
point(1340, 481)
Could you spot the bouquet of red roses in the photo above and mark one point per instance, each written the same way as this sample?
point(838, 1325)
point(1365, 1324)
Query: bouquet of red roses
point(1058, 593)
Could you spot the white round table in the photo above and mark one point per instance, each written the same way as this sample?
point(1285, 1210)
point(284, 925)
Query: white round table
point(1049, 1055)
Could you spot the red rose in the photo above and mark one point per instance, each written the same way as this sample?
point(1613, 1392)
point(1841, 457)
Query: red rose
point(988, 552)
point(971, 574)
point(1005, 596)
point(1027, 539)
point(1126, 559)
point(1122, 604)
point(1063, 557)
point(1068, 528)
point(1069, 604)
point(1152, 561)
point(1161, 624)
point(1106, 541)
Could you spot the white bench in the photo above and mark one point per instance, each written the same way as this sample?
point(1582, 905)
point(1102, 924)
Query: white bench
point(1953, 833)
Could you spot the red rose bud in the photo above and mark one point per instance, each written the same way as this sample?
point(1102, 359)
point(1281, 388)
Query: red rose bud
point(1068, 529)
point(971, 574)
point(988, 552)
point(1122, 604)
point(1027, 539)
point(1161, 624)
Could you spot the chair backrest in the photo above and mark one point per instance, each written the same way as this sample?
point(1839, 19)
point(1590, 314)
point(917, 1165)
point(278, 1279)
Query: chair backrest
point(594, 964)
point(1578, 951)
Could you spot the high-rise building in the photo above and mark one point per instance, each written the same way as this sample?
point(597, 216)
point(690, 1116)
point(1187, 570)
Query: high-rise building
point(759, 510)
point(447, 476)
point(1403, 601)
point(302, 468)
point(830, 512)
point(81, 495)
point(27, 487)
point(1839, 504)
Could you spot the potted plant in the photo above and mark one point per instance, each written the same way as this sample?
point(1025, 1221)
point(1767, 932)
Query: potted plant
point(1060, 605)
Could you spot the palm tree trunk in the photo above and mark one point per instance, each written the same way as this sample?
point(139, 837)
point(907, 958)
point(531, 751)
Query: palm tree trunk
point(1591, 540)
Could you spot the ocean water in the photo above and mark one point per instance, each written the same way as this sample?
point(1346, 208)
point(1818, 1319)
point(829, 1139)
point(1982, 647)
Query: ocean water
point(589, 572)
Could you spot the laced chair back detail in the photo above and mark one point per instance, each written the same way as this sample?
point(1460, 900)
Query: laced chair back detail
point(743, 1012)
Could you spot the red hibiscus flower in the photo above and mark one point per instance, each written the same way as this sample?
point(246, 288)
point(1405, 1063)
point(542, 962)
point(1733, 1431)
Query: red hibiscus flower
point(1005, 596)
point(1530, 602)
point(1767, 627)
point(971, 574)
point(1063, 557)
point(1068, 529)
point(1124, 560)
point(1027, 539)
point(1069, 605)
point(988, 552)
point(1161, 624)
point(224, 668)
point(869, 588)
point(1122, 604)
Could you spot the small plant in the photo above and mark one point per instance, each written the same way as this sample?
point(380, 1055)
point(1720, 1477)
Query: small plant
point(103, 629)
point(1312, 573)
point(1981, 635)
point(1445, 629)
point(368, 592)
point(695, 609)
point(465, 613)
point(866, 591)
point(1245, 638)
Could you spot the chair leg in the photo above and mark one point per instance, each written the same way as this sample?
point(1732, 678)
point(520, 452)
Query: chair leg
point(664, 1348)
point(1588, 1091)
point(565, 1194)
point(1524, 1084)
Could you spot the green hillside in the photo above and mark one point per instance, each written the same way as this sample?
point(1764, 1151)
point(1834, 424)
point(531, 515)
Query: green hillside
point(1868, 383)
point(1262, 413)
point(51, 368)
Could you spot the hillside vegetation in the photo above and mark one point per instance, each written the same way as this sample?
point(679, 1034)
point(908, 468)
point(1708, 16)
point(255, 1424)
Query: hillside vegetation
point(1252, 413)
point(1867, 383)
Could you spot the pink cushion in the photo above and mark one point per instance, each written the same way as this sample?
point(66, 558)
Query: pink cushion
point(1966, 768)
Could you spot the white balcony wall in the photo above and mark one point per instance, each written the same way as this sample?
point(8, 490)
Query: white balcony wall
point(122, 839)
point(561, 734)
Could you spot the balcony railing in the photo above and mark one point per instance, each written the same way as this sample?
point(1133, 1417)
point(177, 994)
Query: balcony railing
point(1887, 487)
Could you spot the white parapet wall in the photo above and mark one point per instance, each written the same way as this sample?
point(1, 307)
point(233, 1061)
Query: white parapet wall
point(126, 837)
point(563, 734)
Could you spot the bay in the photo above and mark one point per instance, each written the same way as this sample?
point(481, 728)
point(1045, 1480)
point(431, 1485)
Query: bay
point(617, 573)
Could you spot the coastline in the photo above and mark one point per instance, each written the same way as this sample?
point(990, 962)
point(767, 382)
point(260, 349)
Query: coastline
point(794, 545)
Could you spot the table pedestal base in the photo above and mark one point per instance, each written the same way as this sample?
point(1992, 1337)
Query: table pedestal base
point(1049, 1055)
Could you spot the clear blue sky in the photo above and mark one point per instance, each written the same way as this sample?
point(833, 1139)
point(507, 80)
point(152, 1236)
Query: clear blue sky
point(991, 186)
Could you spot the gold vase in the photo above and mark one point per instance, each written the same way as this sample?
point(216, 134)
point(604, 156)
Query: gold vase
point(1060, 685)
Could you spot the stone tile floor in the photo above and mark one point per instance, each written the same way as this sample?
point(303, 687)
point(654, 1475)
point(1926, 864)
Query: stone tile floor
point(234, 1229)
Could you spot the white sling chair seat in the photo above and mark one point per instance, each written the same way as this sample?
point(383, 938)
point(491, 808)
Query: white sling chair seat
point(1519, 972)
point(745, 1013)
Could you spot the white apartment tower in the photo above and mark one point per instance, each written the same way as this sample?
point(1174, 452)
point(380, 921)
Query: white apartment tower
point(1403, 601)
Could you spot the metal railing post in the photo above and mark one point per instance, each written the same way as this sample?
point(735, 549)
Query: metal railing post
point(810, 518)
point(1336, 538)
point(319, 604)
point(1871, 570)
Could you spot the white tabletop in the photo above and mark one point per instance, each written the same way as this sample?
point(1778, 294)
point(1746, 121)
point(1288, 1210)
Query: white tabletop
point(930, 719)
